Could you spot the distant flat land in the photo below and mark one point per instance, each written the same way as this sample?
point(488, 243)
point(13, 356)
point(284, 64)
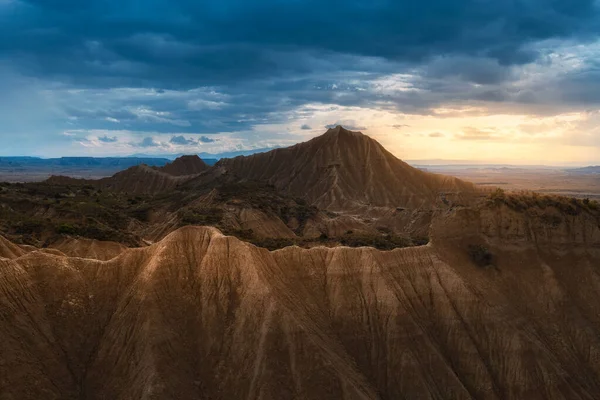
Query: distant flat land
point(580, 182)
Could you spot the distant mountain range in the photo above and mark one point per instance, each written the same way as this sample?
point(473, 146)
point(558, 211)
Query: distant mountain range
point(591, 170)
point(207, 156)
point(27, 169)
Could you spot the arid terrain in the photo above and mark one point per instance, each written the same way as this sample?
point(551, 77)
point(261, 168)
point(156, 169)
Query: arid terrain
point(572, 182)
point(326, 270)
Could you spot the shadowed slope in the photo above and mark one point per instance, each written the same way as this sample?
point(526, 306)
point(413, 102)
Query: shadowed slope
point(204, 316)
point(142, 179)
point(342, 169)
point(185, 165)
point(9, 249)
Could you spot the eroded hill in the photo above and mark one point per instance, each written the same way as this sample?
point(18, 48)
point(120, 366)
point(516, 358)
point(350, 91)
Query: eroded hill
point(366, 197)
point(343, 169)
point(200, 315)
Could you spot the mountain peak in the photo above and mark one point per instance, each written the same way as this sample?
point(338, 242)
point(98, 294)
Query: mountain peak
point(342, 169)
point(339, 130)
point(185, 165)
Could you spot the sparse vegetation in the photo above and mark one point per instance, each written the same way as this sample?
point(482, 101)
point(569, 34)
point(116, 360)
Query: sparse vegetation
point(480, 255)
point(201, 216)
point(381, 242)
point(522, 201)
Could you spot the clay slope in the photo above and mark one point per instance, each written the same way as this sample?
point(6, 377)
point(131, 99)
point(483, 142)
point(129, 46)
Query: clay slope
point(10, 250)
point(185, 165)
point(204, 316)
point(140, 179)
point(342, 169)
point(88, 248)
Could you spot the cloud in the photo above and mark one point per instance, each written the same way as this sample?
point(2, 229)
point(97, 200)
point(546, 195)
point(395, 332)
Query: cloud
point(107, 139)
point(195, 44)
point(471, 133)
point(181, 140)
point(400, 126)
point(205, 139)
point(147, 142)
point(305, 127)
point(350, 125)
point(436, 134)
point(200, 68)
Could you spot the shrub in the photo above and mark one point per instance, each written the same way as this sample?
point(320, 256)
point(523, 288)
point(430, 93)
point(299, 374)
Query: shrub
point(420, 240)
point(201, 216)
point(480, 255)
point(28, 226)
point(551, 219)
point(66, 229)
point(497, 196)
point(273, 243)
point(380, 242)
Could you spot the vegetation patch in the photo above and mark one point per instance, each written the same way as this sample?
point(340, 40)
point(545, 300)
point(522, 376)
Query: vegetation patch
point(523, 201)
point(481, 255)
point(350, 239)
point(201, 216)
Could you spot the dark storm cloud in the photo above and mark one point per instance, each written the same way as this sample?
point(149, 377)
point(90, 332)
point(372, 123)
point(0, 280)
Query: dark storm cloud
point(190, 68)
point(185, 43)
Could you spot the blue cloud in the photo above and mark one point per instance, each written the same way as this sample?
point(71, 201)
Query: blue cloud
point(147, 142)
point(182, 140)
point(188, 43)
point(107, 139)
point(205, 139)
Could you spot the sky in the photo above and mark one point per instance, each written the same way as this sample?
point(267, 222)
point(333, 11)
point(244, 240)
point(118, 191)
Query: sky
point(510, 81)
